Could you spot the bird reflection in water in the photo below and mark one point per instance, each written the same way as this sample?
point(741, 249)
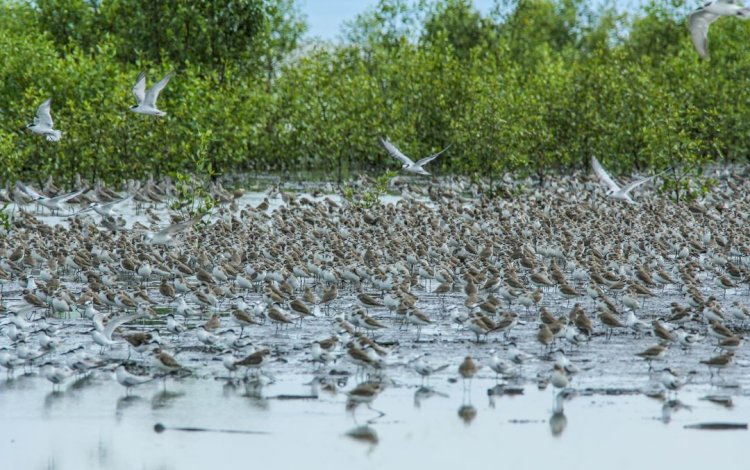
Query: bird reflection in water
point(672, 406)
point(254, 392)
point(229, 388)
point(467, 413)
point(22, 382)
point(53, 398)
point(323, 383)
point(503, 389)
point(123, 403)
point(364, 434)
point(164, 399)
point(82, 382)
point(423, 393)
point(253, 387)
point(558, 421)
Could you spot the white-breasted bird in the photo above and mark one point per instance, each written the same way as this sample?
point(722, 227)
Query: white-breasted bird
point(105, 209)
point(127, 380)
point(51, 203)
point(206, 337)
point(104, 338)
point(408, 164)
point(55, 373)
point(615, 191)
point(319, 355)
point(147, 99)
point(174, 326)
point(43, 123)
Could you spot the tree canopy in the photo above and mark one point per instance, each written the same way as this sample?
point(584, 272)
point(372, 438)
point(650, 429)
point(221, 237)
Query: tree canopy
point(534, 86)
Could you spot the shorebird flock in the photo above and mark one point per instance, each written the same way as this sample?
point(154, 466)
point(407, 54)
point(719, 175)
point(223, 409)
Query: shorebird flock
point(558, 285)
point(542, 285)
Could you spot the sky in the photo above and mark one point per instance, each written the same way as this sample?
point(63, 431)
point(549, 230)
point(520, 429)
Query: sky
point(325, 17)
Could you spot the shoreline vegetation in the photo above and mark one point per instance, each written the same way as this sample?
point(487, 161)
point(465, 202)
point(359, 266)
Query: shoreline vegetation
point(534, 88)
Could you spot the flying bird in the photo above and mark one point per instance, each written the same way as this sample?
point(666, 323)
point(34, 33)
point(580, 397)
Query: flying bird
point(615, 191)
point(701, 18)
point(147, 99)
point(43, 123)
point(408, 164)
point(105, 209)
point(166, 236)
point(51, 203)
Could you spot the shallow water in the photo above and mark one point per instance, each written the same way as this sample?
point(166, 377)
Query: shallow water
point(97, 426)
point(92, 423)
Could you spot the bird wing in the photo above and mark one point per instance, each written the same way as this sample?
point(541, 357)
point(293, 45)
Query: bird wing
point(153, 93)
point(139, 89)
point(43, 116)
point(114, 203)
point(116, 322)
point(28, 190)
point(395, 153)
point(65, 197)
point(82, 211)
point(177, 228)
point(131, 379)
point(698, 23)
point(603, 175)
point(427, 160)
point(360, 355)
point(634, 184)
